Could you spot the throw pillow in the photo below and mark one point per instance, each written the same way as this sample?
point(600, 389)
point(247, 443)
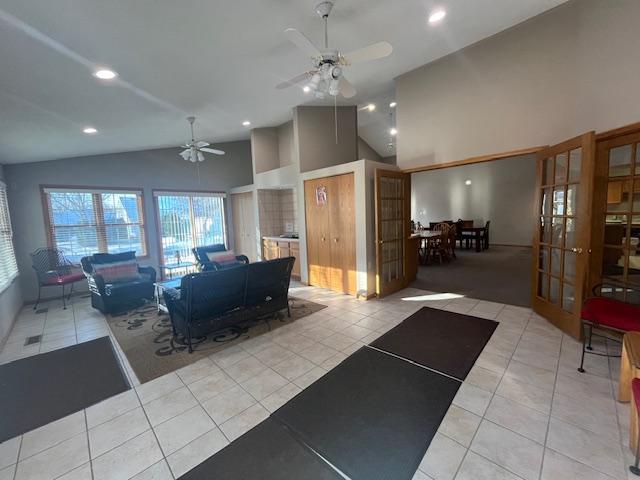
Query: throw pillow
point(227, 257)
point(115, 272)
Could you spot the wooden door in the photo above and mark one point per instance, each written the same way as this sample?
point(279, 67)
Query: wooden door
point(238, 222)
point(317, 221)
point(615, 261)
point(392, 192)
point(244, 229)
point(562, 238)
point(342, 235)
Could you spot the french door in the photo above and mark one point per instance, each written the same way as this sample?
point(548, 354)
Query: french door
point(393, 196)
point(562, 238)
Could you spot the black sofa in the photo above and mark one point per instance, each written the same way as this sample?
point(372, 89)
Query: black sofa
point(206, 265)
point(211, 301)
point(118, 297)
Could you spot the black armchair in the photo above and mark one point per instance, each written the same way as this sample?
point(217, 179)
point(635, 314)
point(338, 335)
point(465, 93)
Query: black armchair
point(118, 296)
point(205, 264)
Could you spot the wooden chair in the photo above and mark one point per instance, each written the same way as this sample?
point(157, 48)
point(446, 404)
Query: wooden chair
point(460, 225)
point(485, 235)
point(440, 248)
point(451, 240)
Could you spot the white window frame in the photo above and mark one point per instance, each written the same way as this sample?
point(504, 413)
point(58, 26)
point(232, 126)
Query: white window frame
point(8, 264)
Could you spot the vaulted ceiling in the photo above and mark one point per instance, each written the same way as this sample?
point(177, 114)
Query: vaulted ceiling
point(216, 60)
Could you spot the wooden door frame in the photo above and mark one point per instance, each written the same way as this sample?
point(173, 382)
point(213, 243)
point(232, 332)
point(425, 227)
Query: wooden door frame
point(568, 322)
point(406, 178)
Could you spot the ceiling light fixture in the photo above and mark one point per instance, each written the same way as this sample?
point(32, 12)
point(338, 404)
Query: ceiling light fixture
point(90, 130)
point(105, 74)
point(306, 89)
point(246, 123)
point(392, 105)
point(393, 132)
point(371, 107)
point(467, 182)
point(437, 15)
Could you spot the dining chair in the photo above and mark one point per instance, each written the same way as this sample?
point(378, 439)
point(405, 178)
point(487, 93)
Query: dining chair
point(440, 245)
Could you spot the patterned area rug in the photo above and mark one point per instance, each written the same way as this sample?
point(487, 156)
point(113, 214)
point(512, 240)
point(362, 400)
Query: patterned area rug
point(147, 340)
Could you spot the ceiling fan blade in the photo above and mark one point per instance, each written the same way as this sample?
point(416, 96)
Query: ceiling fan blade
point(346, 89)
point(212, 150)
point(372, 52)
point(185, 154)
point(295, 80)
point(202, 144)
point(302, 42)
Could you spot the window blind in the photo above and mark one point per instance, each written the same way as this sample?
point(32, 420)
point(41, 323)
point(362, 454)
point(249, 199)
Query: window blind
point(8, 265)
point(81, 222)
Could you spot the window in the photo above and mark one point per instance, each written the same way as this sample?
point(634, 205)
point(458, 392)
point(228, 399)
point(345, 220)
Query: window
point(187, 220)
point(81, 222)
point(8, 266)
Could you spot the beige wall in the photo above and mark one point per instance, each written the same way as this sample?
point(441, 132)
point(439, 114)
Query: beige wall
point(265, 149)
point(316, 139)
point(366, 152)
point(565, 72)
point(285, 144)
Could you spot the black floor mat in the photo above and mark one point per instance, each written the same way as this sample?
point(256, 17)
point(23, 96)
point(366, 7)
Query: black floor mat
point(37, 390)
point(373, 416)
point(445, 341)
point(266, 452)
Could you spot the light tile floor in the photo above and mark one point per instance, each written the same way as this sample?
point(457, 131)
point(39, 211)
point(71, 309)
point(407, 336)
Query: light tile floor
point(522, 413)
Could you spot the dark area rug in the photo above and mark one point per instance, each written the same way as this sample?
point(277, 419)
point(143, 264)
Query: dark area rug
point(501, 274)
point(37, 390)
point(146, 338)
point(266, 452)
point(445, 341)
point(373, 416)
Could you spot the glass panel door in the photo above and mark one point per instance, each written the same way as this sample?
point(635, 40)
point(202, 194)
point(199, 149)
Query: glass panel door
point(392, 225)
point(619, 161)
point(562, 240)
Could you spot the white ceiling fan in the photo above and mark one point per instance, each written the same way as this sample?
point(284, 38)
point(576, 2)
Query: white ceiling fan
point(327, 77)
point(193, 152)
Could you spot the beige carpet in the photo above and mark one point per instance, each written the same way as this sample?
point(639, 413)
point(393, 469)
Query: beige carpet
point(147, 340)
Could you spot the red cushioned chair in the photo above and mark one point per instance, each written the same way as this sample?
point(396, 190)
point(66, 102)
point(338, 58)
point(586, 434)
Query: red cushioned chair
point(611, 317)
point(53, 269)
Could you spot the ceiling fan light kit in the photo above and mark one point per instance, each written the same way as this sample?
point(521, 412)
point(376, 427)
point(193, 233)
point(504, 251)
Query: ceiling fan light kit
point(194, 150)
point(327, 76)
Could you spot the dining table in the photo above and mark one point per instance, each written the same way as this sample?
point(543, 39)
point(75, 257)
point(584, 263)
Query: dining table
point(477, 233)
point(427, 237)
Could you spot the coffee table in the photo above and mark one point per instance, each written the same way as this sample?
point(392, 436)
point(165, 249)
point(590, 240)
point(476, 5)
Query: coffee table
point(160, 288)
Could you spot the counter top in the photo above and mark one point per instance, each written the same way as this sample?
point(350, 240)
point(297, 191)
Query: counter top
point(281, 239)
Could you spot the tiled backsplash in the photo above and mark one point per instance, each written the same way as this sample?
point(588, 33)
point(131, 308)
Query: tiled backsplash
point(277, 210)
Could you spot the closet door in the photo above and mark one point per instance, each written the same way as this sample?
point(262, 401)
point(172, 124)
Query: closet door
point(249, 220)
point(317, 221)
point(238, 220)
point(341, 200)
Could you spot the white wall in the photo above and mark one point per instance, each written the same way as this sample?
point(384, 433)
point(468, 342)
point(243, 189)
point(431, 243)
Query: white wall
point(570, 70)
point(502, 191)
point(10, 299)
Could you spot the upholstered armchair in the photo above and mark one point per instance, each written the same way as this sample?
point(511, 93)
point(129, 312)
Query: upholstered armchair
point(117, 283)
point(217, 257)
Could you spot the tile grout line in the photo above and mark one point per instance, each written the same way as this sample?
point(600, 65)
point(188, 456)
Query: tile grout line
point(15, 470)
point(553, 394)
point(86, 425)
point(493, 394)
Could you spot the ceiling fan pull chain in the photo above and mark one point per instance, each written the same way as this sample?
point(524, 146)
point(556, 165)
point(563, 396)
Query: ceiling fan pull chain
point(335, 115)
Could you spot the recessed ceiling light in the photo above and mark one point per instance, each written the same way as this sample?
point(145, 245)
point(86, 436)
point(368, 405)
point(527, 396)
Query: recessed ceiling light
point(467, 182)
point(393, 132)
point(437, 15)
point(306, 89)
point(371, 107)
point(105, 74)
point(392, 105)
point(246, 123)
point(90, 130)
